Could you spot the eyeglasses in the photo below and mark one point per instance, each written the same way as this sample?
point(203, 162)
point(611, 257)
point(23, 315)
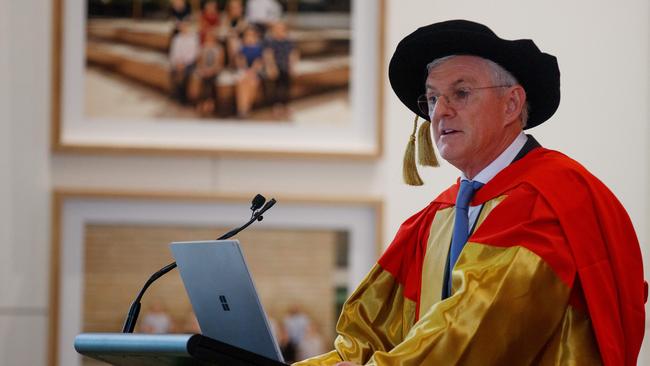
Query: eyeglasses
point(457, 100)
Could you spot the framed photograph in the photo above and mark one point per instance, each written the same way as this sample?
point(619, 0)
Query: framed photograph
point(256, 78)
point(305, 258)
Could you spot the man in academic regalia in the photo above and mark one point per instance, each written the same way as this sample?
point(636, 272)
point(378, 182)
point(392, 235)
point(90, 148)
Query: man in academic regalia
point(528, 259)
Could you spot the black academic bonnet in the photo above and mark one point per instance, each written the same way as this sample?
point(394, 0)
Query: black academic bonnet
point(537, 71)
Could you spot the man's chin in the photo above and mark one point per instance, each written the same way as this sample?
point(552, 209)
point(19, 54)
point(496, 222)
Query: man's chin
point(453, 157)
point(447, 153)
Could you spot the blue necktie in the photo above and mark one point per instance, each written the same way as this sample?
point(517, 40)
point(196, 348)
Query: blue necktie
point(461, 225)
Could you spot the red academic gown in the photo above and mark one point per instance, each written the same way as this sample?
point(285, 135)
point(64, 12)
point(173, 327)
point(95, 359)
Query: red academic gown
point(552, 275)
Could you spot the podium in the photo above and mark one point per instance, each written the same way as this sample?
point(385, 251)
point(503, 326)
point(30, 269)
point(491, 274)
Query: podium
point(165, 349)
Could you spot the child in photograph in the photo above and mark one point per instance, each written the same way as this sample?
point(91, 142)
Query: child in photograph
point(178, 12)
point(234, 17)
point(209, 20)
point(182, 56)
point(263, 13)
point(285, 57)
point(233, 26)
point(251, 67)
point(209, 66)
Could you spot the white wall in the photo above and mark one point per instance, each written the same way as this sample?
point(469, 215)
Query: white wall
point(602, 122)
point(24, 182)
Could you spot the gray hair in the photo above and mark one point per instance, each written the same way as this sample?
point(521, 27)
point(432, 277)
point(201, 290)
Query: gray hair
point(500, 76)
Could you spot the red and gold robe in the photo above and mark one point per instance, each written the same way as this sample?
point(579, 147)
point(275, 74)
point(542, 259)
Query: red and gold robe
point(552, 275)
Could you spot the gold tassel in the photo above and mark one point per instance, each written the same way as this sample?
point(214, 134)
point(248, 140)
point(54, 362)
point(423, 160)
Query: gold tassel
point(426, 153)
point(409, 170)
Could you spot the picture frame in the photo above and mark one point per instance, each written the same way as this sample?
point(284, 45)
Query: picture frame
point(358, 137)
point(76, 211)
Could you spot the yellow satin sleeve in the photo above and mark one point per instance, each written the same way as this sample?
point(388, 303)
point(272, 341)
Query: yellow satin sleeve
point(508, 303)
point(508, 308)
point(376, 317)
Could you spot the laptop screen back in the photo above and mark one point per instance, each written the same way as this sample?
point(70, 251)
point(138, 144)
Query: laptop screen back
point(223, 295)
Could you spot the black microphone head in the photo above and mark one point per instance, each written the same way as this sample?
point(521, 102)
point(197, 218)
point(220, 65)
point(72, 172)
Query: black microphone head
point(268, 205)
point(257, 202)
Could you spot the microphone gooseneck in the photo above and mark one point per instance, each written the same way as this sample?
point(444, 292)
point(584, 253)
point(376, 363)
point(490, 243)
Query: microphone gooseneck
point(134, 310)
point(257, 216)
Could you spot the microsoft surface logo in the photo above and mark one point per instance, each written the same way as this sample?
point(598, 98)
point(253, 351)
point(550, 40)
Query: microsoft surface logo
point(224, 303)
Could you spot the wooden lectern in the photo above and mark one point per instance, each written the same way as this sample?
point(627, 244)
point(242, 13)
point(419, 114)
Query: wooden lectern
point(165, 349)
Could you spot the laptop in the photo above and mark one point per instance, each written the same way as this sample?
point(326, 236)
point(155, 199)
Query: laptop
point(223, 295)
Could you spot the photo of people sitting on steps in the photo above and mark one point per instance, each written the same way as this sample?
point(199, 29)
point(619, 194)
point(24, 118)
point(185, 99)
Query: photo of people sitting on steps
point(219, 60)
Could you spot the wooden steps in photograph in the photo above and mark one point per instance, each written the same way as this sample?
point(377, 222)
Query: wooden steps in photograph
point(312, 76)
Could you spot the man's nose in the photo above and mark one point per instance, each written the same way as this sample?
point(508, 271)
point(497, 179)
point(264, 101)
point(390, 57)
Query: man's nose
point(442, 109)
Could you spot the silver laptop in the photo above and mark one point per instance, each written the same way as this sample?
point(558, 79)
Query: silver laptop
point(223, 295)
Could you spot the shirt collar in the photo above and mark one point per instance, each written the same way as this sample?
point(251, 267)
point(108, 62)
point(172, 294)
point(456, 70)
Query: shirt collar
point(502, 161)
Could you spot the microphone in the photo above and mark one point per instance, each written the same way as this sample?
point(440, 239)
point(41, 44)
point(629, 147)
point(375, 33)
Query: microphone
point(257, 202)
point(265, 208)
point(134, 310)
point(257, 216)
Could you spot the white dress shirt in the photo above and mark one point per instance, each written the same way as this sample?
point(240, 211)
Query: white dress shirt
point(263, 11)
point(184, 49)
point(497, 165)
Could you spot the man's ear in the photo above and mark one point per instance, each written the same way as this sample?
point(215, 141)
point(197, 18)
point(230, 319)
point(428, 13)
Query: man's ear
point(516, 98)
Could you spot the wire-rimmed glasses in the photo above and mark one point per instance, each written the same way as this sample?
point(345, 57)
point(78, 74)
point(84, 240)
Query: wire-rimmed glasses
point(457, 99)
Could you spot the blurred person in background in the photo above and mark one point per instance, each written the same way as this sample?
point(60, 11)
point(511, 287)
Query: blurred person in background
point(296, 322)
point(287, 347)
point(156, 320)
point(210, 64)
point(178, 11)
point(262, 14)
point(209, 20)
point(233, 26)
point(251, 66)
point(312, 342)
point(183, 53)
point(284, 60)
